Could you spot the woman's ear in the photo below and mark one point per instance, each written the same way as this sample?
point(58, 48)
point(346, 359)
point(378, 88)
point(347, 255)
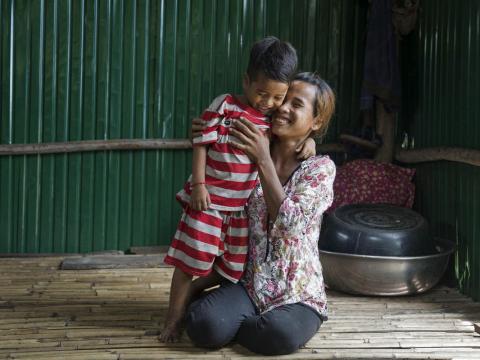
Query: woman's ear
point(317, 123)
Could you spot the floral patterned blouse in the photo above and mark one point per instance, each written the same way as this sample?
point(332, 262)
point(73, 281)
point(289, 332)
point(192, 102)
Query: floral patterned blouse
point(283, 265)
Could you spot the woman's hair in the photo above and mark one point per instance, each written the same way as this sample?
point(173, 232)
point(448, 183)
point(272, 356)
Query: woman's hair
point(324, 105)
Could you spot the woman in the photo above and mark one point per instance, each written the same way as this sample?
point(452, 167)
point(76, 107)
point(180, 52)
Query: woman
point(280, 302)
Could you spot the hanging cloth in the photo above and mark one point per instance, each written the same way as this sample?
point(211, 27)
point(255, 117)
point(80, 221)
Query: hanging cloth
point(381, 74)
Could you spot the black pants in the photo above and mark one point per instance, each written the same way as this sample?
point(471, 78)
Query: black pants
point(227, 314)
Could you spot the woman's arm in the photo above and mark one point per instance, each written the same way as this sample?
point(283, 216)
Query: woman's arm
point(272, 187)
point(198, 125)
point(312, 195)
point(256, 145)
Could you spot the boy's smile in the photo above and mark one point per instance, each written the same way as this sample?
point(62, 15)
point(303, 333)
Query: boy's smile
point(264, 94)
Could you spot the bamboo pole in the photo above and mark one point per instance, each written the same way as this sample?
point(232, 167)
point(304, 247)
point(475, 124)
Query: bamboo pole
point(95, 145)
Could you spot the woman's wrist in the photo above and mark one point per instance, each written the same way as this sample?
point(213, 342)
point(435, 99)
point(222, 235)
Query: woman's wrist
point(266, 169)
point(264, 164)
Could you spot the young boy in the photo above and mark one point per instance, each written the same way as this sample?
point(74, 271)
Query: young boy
point(213, 229)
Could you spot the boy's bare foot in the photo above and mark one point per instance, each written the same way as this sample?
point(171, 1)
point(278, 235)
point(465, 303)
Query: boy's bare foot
point(171, 333)
point(172, 330)
point(183, 291)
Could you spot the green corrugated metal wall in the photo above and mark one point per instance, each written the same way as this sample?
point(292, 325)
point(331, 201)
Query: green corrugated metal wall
point(441, 64)
point(106, 69)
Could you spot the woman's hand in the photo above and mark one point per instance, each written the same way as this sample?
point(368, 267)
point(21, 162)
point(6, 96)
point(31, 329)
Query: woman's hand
point(200, 198)
point(254, 142)
point(307, 149)
point(197, 127)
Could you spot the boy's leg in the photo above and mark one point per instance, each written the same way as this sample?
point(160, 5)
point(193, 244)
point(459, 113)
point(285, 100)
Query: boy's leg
point(280, 331)
point(192, 252)
point(180, 293)
point(231, 263)
point(213, 320)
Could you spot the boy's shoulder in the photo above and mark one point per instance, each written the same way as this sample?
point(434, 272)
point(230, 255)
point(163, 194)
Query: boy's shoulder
point(228, 101)
point(217, 102)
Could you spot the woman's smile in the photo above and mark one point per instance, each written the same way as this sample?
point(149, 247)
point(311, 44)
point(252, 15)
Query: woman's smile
point(280, 120)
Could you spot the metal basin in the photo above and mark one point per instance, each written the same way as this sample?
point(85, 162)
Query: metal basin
point(385, 275)
point(376, 229)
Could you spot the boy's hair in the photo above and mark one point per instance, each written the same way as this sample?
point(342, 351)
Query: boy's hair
point(276, 59)
point(324, 105)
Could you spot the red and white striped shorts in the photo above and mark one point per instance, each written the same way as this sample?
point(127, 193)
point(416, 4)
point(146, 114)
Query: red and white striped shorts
point(210, 239)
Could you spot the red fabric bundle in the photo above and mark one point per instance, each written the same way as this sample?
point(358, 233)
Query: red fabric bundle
point(369, 181)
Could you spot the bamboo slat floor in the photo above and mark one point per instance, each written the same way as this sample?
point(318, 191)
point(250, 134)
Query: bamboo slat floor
point(47, 313)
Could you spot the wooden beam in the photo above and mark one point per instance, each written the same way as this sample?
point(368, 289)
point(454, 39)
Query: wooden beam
point(113, 262)
point(467, 156)
point(95, 145)
point(44, 255)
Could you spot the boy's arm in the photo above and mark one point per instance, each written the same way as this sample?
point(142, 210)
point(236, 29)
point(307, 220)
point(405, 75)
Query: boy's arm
point(199, 199)
point(307, 149)
point(208, 125)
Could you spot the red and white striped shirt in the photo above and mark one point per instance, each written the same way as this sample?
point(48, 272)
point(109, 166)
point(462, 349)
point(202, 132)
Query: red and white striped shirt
point(230, 175)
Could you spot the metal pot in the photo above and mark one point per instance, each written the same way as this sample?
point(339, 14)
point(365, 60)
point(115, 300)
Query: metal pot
point(376, 229)
point(385, 275)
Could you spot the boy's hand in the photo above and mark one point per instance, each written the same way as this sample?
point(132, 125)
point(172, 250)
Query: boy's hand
point(200, 198)
point(197, 127)
point(306, 150)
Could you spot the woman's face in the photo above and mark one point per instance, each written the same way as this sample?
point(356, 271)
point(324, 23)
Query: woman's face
point(295, 119)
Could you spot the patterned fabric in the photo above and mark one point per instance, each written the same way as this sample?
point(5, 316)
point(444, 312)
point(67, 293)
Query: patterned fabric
point(283, 265)
point(368, 181)
point(211, 237)
point(230, 175)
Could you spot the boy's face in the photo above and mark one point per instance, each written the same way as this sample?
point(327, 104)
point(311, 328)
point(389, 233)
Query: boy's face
point(263, 94)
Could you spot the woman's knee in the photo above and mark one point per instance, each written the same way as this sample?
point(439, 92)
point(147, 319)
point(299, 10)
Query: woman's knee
point(204, 328)
point(279, 332)
point(213, 320)
point(279, 342)
point(268, 340)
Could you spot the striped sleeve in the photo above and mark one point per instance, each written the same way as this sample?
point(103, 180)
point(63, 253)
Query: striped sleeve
point(212, 117)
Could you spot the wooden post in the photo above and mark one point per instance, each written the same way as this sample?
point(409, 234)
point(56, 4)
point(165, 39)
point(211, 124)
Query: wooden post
point(386, 129)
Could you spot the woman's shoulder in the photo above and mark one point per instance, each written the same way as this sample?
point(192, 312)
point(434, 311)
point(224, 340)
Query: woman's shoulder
point(319, 163)
point(315, 171)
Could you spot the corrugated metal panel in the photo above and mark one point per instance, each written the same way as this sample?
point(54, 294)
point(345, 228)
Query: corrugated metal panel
point(91, 69)
point(442, 88)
